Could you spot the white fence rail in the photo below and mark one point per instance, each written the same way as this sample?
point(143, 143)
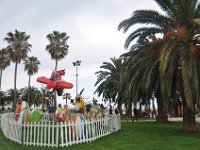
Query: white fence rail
point(0, 120)
point(54, 134)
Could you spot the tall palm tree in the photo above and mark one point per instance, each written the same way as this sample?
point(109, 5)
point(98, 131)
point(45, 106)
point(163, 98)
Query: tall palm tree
point(32, 67)
point(179, 52)
point(57, 47)
point(112, 81)
point(4, 62)
point(18, 47)
point(143, 63)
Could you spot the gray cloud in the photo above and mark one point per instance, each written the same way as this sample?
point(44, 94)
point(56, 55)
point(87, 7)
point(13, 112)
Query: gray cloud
point(91, 25)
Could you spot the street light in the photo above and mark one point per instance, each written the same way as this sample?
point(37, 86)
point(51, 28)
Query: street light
point(77, 63)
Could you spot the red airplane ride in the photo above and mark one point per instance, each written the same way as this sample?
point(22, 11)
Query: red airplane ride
point(55, 82)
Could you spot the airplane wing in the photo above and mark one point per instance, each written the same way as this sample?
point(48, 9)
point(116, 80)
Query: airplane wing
point(43, 80)
point(64, 85)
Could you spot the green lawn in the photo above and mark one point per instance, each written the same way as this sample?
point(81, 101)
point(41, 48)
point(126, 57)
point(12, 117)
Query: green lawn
point(133, 136)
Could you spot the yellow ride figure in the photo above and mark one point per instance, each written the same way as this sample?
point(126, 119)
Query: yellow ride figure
point(79, 103)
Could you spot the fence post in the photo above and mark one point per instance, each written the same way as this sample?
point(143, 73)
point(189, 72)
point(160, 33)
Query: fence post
point(57, 134)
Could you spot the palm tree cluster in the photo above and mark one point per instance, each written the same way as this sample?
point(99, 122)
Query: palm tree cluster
point(17, 51)
point(163, 58)
point(38, 96)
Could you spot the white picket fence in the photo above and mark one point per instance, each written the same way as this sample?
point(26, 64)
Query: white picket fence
point(0, 121)
point(53, 134)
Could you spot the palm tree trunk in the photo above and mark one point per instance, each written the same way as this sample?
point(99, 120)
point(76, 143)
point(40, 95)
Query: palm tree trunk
point(0, 83)
point(42, 101)
point(126, 109)
point(119, 106)
point(140, 108)
point(15, 89)
point(56, 65)
point(162, 116)
point(0, 77)
point(29, 83)
point(154, 109)
point(130, 108)
point(189, 124)
point(55, 98)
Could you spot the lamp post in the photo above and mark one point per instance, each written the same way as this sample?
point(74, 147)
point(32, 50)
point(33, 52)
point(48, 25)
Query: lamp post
point(76, 64)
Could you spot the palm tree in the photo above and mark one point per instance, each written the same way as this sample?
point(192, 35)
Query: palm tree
point(143, 63)
point(57, 48)
point(179, 53)
point(112, 81)
point(35, 96)
point(10, 94)
point(44, 97)
point(31, 66)
point(2, 99)
point(18, 48)
point(4, 62)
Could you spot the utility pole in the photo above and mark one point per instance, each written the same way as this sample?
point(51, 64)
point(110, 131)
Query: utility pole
point(76, 64)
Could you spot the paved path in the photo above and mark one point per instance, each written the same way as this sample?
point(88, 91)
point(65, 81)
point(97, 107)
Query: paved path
point(147, 120)
point(181, 119)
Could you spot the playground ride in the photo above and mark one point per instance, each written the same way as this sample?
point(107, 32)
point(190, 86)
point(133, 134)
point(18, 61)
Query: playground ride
point(96, 112)
point(36, 115)
point(49, 133)
point(22, 112)
point(78, 106)
point(24, 115)
point(55, 82)
point(62, 115)
point(78, 131)
point(39, 129)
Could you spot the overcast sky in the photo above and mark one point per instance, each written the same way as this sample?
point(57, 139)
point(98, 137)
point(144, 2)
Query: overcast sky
point(91, 25)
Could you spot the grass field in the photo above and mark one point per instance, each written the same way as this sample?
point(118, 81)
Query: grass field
point(133, 136)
